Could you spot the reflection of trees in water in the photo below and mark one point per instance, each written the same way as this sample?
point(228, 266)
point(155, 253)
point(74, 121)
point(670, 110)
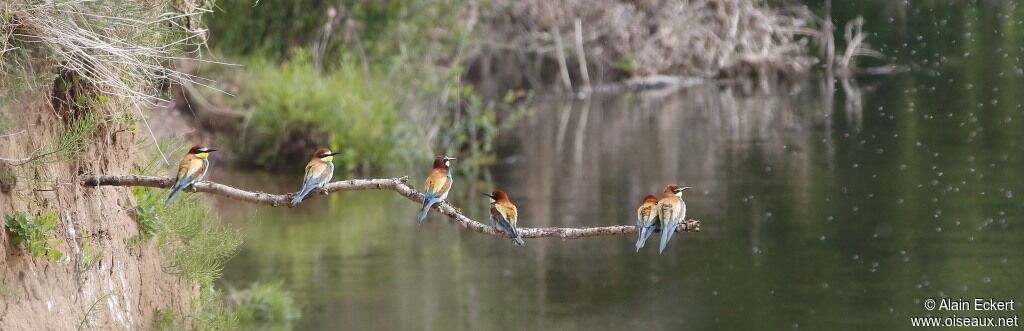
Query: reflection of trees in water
point(590, 157)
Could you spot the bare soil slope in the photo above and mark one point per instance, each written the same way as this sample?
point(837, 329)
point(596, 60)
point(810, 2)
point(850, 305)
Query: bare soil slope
point(104, 281)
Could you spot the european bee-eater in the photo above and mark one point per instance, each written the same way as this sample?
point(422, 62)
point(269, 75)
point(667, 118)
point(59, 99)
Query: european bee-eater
point(671, 211)
point(192, 169)
point(319, 172)
point(439, 182)
point(646, 220)
point(504, 215)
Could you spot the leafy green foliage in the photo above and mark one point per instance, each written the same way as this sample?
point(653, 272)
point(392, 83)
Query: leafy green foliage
point(148, 208)
point(351, 113)
point(265, 302)
point(33, 234)
point(195, 245)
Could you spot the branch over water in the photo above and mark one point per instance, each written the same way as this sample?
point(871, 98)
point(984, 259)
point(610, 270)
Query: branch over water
point(397, 185)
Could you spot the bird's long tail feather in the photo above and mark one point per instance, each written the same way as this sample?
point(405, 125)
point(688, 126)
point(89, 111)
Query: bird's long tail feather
point(645, 233)
point(666, 235)
point(428, 202)
point(640, 238)
point(306, 189)
point(512, 232)
point(177, 188)
point(297, 199)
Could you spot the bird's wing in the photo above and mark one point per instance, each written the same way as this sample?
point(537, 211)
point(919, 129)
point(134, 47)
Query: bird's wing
point(512, 214)
point(437, 182)
point(666, 210)
point(327, 174)
point(314, 170)
point(496, 215)
point(189, 167)
point(505, 217)
point(645, 214)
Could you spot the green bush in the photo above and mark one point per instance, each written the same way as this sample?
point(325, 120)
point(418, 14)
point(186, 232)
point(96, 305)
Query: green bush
point(353, 114)
point(33, 234)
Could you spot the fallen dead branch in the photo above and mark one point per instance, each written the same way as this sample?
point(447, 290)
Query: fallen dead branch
point(397, 185)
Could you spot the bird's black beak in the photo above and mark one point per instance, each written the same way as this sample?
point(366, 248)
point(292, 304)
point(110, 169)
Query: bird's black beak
point(210, 150)
point(333, 153)
point(489, 195)
point(683, 189)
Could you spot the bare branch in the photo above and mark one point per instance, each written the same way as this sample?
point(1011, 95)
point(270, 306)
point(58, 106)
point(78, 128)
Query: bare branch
point(397, 185)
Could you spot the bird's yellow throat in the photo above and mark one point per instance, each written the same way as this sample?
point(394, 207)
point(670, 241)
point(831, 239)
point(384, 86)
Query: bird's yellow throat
point(327, 158)
point(202, 155)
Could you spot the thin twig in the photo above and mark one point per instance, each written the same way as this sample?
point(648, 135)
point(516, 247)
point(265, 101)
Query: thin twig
point(393, 184)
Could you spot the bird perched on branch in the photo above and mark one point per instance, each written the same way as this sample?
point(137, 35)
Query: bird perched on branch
point(319, 172)
point(191, 170)
point(646, 220)
point(504, 215)
point(439, 183)
point(671, 211)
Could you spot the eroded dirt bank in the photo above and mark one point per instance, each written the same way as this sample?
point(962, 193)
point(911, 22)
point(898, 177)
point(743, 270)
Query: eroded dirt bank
point(105, 281)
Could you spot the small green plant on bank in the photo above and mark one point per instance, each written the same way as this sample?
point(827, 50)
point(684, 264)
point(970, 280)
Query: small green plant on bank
point(164, 320)
point(90, 256)
point(33, 234)
point(265, 302)
point(70, 141)
point(147, 213)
